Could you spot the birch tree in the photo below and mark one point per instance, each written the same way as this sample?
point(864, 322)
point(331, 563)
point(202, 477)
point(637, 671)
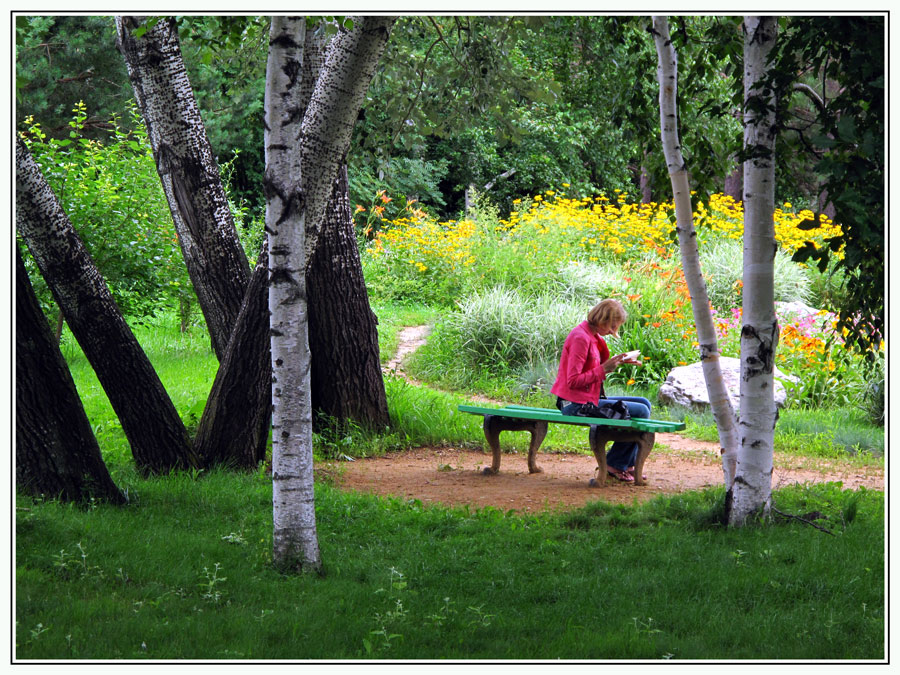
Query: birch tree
point(752, 491)
point(234, 427)
point(187, 168)
point(302, 157)
point(158, 439)
point(56, 451)
point(667, 74)
point(345, 379)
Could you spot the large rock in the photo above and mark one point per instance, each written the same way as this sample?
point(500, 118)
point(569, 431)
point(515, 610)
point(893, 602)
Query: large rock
point(685, 385)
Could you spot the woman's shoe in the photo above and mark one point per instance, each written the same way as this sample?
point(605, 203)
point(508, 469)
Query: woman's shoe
point(618, 474)
point(630, 472)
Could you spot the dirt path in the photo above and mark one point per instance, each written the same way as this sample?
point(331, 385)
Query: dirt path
point(453, 476)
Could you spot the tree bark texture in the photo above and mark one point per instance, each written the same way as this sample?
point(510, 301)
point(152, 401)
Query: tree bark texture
point(159, 441)
point(752, 492)
point(295, 206)
point(56, 452)
point(346, 378)
point(331, 113)
point(234, 427)
point(687, 243)
point(295, 542)
point(187, 168)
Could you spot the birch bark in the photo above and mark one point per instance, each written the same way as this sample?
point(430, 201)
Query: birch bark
point(56, 451)
point(295, 543)
point(346, 380)
point(752, 491)
point(159, 441)
point(301, 162)
point(667, 74)
point(187, 168)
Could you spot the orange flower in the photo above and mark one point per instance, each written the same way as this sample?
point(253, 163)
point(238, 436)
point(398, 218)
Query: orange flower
point(630, 382)
point(385, 198)
point(633, 298)
point(359, 207)
point(656, 324)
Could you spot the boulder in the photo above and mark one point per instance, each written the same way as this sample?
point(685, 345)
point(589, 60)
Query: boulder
point(686, 387)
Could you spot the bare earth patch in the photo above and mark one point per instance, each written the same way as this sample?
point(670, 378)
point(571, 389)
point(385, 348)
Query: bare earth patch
point(453, 477)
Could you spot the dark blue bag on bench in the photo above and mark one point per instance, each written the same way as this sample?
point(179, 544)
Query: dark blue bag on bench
point(616, 410)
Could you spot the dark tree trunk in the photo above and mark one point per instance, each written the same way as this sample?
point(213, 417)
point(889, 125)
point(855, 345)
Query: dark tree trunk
point(734, 183)
point(190, 176)
point(56, 452)
point(346, 377)
point(235, 424)
point(646, 186)
point(159, 441)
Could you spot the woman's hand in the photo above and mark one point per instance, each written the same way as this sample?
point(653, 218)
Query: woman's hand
point(612, 363)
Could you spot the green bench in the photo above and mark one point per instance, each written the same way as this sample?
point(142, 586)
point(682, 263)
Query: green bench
point(603, 431)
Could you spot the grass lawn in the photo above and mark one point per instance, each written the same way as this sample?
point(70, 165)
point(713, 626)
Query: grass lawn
point(184, 570)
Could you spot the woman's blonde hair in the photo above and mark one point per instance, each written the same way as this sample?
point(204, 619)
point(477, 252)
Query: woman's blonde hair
point(607, 313)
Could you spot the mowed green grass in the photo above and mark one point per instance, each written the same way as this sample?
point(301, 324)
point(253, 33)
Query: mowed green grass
point(184, 570)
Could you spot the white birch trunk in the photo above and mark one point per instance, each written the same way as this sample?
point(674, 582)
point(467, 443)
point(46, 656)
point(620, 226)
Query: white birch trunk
point(303, 152)
point(350, 63)
point(667, 74)
point(752, 491)
point(188, 171)
point(295, 543)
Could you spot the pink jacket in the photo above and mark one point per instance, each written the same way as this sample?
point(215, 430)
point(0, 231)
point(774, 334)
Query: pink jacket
point(581, 374)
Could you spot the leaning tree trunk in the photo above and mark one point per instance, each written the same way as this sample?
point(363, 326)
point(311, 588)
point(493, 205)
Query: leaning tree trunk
point(687, 243)
point(56, 452)
point(187, 168)
point(752, 492)
point(234, 427)
point(159, 441)
point(345, 379)
point(295, 206)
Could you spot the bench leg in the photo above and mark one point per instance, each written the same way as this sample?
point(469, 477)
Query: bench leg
point(645, 445)
point(598, 447)
point(599, 438)
point(537, 437)
point(494, 424)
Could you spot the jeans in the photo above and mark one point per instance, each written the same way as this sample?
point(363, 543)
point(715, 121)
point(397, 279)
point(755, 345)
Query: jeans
point(621, 454)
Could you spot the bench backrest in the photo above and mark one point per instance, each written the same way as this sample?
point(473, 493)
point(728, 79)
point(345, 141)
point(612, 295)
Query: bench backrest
point(553, 415)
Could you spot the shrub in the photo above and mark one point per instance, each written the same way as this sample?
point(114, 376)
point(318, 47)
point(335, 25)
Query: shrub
point(111, 193)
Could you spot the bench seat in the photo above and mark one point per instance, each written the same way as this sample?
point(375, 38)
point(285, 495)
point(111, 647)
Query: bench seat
point(602, 431)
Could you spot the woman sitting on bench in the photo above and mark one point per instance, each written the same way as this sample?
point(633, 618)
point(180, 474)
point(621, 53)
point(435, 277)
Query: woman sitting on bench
point(583, 366)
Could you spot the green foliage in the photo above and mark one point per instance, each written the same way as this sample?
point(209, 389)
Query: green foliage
point(110, 191)
point(61, 60)
point(848, 149)
point(503, 329)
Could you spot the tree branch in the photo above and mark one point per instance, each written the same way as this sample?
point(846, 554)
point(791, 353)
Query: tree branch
point(811, 94)
point(802, 520)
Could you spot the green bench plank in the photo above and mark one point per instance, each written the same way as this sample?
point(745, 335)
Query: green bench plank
point(663, 425)
point(553, 415)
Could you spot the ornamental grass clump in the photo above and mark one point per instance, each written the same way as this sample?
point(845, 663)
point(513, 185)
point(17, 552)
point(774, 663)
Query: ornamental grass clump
point(722, 262)
point(498, 334)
